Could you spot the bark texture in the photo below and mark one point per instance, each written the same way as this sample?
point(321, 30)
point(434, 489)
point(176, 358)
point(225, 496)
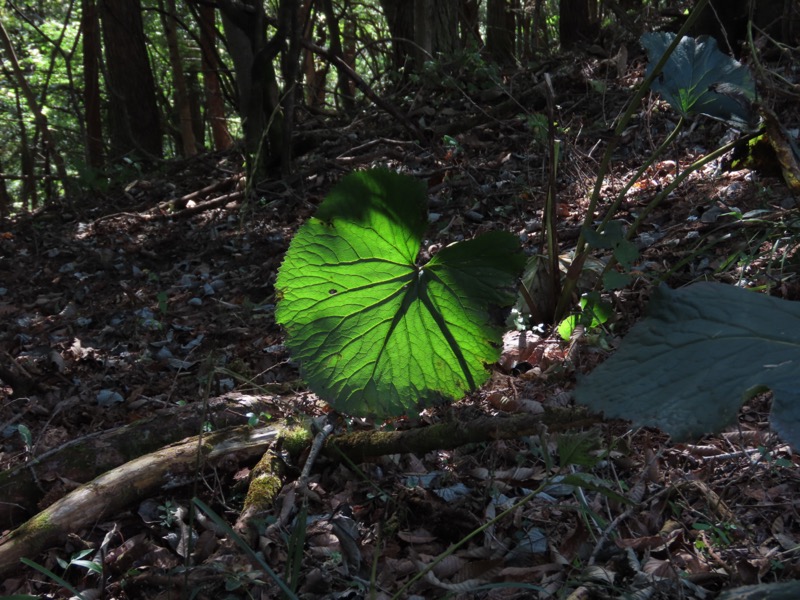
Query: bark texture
point(125, 485)
point(38, 482)
point(134, 117)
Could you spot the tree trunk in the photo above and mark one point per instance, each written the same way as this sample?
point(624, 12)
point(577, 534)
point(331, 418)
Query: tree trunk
point(134, 117)
point(5, 198)
point(259, 95)
point(313, 78)
point(91, 84)
point(290, 20)
point(400, 19)
point(33, 105)
point(195, 107)
point(443, 16)
point(214, 102)
point(184, 109)
point(469, 20)
point(343, 83)
point(574, 24)
point(500, 28)
point(431, 24)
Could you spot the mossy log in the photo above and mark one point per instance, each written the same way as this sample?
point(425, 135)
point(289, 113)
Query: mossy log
point(128, 484)
point(362, 445)
point(23, 488)
point(179, 462)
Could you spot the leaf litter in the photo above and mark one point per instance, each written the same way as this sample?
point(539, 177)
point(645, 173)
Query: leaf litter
point(157, 311)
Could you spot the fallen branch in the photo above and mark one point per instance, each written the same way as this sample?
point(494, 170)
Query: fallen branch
point(179, 463)
point(361, 445)
point(197, 208)
point(23, 487)
point(131, 483)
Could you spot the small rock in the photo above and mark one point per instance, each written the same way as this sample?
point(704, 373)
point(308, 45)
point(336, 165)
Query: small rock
point(474, 216)
point(108, 398)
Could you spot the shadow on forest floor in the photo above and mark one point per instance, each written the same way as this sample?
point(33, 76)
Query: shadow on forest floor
point(155, 300)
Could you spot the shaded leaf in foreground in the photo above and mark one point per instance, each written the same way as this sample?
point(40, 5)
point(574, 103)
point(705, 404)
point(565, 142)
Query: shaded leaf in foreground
point(701, 351)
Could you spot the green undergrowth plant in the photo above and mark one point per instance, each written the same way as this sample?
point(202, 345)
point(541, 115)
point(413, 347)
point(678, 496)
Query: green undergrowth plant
point(375, 332)
point(52, 576)
point(256, 558)
point(695, 78)
point(703, 349)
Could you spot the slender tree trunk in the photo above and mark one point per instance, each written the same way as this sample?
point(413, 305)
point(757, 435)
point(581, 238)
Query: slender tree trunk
point(539, 27)
point(91, 84)
point(5, 199)
point(134, 117)
point(574, 23)
point(313, 78)
point(469, 20)
point(30, 97)
point(259, 95)
point(291, 21)
point(184, 110)
point(195, 107)
point(343, 84)
point(500, 24)
point(214, 102)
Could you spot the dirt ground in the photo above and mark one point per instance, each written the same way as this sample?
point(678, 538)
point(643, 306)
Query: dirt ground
point(153, 301)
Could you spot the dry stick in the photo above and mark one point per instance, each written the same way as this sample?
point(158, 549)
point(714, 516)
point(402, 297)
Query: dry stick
point(198, 208)
point(202, 192)
point(368, 91)
point(156, 212)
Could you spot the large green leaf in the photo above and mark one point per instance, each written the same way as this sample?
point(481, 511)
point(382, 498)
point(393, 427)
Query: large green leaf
point(701, 351)
point(699, 79)
point(374, 333)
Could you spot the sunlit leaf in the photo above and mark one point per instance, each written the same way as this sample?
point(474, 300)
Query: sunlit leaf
point(375, 333)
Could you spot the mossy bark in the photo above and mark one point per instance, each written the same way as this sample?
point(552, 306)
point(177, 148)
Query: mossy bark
point(126, 485)
point(23, 488)
point(361, 445)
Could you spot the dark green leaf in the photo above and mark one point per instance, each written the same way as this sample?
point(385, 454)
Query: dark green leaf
point(700, 352)
point(614, 280)
point(374, 333)
point(787, 590)
point(699, 79)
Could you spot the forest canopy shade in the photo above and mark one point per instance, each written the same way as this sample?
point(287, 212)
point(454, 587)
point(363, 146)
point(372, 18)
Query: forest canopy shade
point(376, 334)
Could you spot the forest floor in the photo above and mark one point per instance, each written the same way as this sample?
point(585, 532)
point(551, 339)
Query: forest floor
point(155, 298)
